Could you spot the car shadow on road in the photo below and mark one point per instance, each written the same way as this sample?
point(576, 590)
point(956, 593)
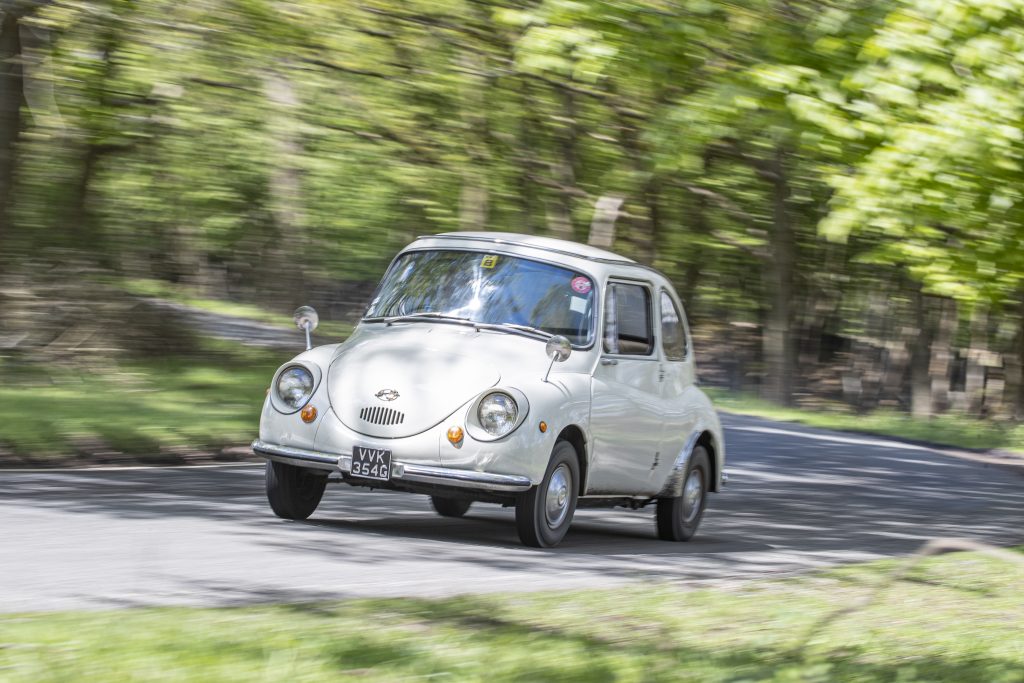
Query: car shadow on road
point(587, 535)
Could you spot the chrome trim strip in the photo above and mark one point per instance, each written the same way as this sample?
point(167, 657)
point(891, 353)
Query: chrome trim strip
point(298, 456)
point(423, 474)
point(427, 474)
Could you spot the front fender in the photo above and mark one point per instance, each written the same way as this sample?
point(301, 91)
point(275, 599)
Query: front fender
point(561, 403)
point(286, 429)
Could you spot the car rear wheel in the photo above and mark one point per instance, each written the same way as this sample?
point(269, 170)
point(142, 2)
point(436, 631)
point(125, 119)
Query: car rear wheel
point(678, 517)
point(450, 507)
point(543, 513)
point(293, 492)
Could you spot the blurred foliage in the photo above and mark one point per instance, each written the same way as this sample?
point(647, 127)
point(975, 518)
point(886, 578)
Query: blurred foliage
point(841, 178)
point(954, 618)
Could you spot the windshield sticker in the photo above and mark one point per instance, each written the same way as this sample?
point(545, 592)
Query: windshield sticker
point(577, 304)
point(581, 285)
point(489, 261)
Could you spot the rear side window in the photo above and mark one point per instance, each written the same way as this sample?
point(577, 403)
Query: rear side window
point(673, 336)
point(628, 328)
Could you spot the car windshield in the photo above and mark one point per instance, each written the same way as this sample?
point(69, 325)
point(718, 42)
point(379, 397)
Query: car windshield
point(487, 289)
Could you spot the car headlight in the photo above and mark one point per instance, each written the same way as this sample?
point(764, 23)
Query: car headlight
point(497, 413)
point(295, 386)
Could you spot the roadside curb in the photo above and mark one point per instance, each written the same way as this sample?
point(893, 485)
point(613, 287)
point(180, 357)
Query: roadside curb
point(81, 461)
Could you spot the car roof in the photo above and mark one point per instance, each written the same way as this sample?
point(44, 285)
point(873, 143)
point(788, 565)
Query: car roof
point(584, 251)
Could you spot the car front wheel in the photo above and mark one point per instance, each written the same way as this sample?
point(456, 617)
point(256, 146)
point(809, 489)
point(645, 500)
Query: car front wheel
point(678, 517)
point(543, 513)
point(293, 492)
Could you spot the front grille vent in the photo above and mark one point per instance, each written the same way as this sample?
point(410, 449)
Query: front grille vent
point(380, 415)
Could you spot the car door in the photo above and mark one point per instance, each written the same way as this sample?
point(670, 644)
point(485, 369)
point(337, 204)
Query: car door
point(678, 376)
point(626, 414)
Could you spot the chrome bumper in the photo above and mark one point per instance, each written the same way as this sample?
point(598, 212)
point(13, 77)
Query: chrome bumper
point(402, 472)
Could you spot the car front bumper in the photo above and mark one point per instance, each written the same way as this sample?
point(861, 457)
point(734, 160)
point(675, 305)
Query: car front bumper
point(400, 472)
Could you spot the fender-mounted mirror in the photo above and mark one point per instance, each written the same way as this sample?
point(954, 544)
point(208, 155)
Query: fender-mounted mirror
point(306, 319)
point(558, 349)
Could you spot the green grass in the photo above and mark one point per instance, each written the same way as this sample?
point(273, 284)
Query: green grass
point(948, 430)
point(954, 618)
point(188, 296)
point(202, 401)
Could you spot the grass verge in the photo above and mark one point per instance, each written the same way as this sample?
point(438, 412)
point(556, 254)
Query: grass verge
point(945, 430)
point(152, 409)
point(957, 617)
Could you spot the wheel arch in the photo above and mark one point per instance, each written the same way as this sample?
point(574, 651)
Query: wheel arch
point(575, 436)
point(707, 440)
point(702, 436)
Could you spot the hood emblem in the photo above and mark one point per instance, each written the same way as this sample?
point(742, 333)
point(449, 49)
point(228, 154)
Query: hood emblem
point(387, 394)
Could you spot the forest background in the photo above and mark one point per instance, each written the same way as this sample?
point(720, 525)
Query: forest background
point(834, 187)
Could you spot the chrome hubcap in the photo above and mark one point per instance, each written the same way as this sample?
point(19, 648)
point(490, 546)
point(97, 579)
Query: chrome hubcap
point(693, 494)
point(556, 502)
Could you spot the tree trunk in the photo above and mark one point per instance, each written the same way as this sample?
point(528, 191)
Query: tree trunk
point(920, 356)
point(602, 227)
point(81, 219)
point(1015, 368)
point(691, 265)
point(474, 197)
point(777, 338)
point(941, 356)
point(646, 211)
point(12, 97)
point(527, 143)
point(975, 384)
point(560, 222)
point(285, 182)
point(80, 216)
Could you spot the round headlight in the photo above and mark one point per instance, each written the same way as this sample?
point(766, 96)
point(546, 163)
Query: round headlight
point(497, 413)
point(295, 386)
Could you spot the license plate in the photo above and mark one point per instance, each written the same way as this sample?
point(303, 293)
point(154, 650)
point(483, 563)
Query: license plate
point(371, 463)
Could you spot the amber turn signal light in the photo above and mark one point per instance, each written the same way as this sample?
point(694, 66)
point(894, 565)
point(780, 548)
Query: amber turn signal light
point(543, 426)
point(308, 414)
point(455, 435)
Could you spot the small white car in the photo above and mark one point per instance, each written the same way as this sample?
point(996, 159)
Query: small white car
point(502, 368)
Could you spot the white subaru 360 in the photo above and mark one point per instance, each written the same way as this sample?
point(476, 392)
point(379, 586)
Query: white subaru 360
point(501, 368)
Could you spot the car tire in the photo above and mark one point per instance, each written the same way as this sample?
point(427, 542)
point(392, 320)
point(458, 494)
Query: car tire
point(450, 507)
point(544, 513)
point(293, 492)
point(679, 517)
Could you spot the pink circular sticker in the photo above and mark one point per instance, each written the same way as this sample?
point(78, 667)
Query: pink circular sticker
point(581, 285)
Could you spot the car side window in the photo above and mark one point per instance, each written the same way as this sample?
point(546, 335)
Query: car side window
point(627, 325)
point(673, 334)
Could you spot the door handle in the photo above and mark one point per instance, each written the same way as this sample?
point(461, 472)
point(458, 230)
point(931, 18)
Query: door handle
point(609, 361)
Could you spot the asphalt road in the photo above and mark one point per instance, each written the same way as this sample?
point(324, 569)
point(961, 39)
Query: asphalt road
point(798, 498)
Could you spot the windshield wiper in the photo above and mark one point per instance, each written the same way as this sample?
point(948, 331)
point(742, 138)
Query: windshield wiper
point(428, 315)
point(526, 329)
point(445, 318)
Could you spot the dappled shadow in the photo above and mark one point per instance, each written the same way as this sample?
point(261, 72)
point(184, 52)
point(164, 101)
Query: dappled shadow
point(648, 640)
point(798, 499)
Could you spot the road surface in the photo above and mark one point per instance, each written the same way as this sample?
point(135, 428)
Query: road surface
point(798, 498)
